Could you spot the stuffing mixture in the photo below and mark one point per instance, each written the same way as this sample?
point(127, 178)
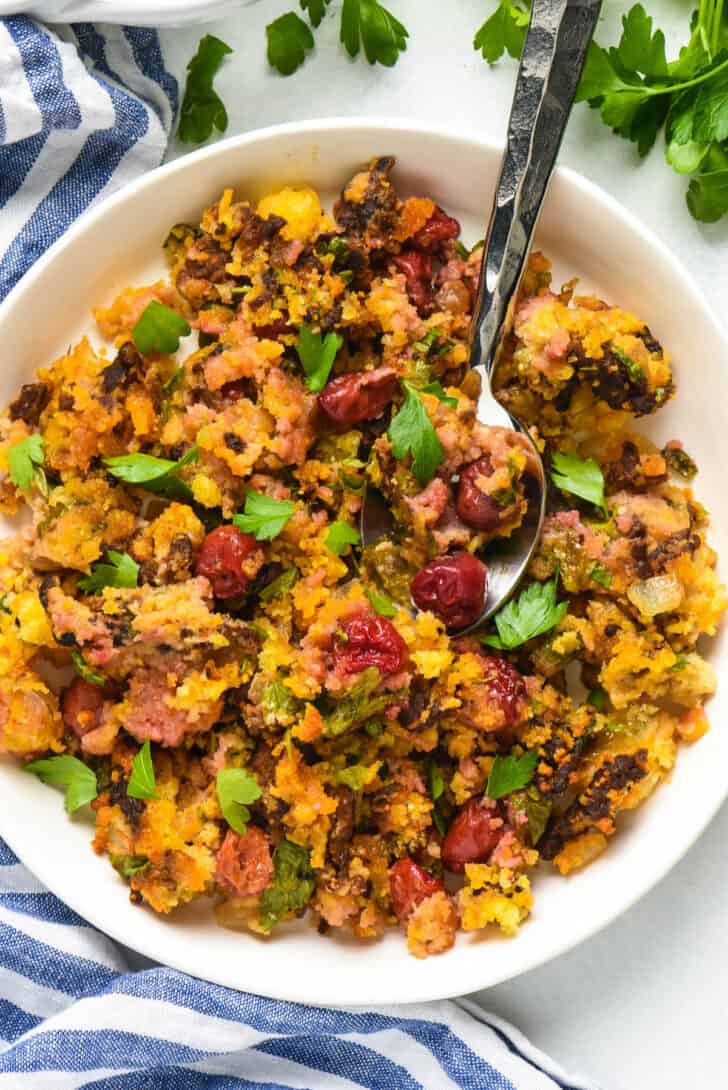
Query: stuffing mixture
point(260, 710)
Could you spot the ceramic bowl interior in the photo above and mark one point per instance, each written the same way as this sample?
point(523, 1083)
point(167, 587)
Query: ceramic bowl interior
point(586, 234)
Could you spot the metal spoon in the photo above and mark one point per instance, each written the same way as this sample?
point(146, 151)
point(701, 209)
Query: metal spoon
point(551, 65)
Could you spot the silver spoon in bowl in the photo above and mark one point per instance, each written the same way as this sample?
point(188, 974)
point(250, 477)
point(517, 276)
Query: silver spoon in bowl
point(551, 64)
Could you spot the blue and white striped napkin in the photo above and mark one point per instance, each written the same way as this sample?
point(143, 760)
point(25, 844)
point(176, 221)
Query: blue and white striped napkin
point(82, 110)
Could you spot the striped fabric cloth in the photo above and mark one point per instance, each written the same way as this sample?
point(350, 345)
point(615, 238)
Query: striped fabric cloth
point(82, 110)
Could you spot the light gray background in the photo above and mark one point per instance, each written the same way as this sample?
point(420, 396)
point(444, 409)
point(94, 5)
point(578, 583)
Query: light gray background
point(644, 1005)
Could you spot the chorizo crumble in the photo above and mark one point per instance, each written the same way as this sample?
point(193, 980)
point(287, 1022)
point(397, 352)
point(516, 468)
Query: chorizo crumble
point(193, 578)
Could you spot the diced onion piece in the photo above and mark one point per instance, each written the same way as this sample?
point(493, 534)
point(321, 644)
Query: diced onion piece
point(660, 594)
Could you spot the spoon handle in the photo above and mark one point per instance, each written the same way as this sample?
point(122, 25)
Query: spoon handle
point(551, 65)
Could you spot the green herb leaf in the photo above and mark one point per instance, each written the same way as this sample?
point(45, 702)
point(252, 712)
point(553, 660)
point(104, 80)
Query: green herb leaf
point(359, 704)
point(599, 574)
point(598, 698)
point(381, 604)
point(707, 195)
point(537, 810)
point(316, 9)
point(25, 460)
point(159, 329)
point(355, 777)
point(510, 773)
point(78, 779)
point(129, 865)
point(340, 536)
point(367, 24)
point(202, 108)
point(504, 31)
point(236, 789)
point(435, 781)
point(142, 782)
point(411, 432)
point(580, 477)
point(289, 39)
point(640, 50)
point(280, 586)
point(263, 516)
point(155, 474)
point(293, 884)
point(120, 571)
point(317, 354)
point(534, 612)
point(435, 390)
point(84, 670)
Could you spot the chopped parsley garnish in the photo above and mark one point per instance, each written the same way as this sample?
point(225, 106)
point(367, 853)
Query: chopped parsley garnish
point(510, 773)
point(289, 39)
point(598, 698)
point(355, 777)
point(435, 781)
point(84, 670)
point(155, 474)
point(580, 477)
point(633, 368)
point(202, 108)
point(142, 782)
point(120, 571)
point(412, 432)
point(369, 25)
point(340, 536)
point(78, 779)
point(534, 612)
point(25, 463)
point(159, 329)
point(317, 354)
point(236, 789)
point(293, 884)
point(127, 866)
point(280, 586)
point(599, 574)
point(263, 516)
point(381, 604)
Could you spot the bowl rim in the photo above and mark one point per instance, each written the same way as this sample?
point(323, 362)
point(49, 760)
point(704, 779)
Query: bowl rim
point(421, 990)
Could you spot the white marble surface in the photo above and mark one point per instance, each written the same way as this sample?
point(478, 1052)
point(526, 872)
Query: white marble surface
point(644, 1005)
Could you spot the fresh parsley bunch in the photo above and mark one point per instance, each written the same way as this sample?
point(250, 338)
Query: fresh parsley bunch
point(639, 92)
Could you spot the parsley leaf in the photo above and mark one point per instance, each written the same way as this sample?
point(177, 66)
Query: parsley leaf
point(504, 31)
point(707, 195)
point(142, 782)
point(510, 773)
point(317, 355)
point(263, 516)
point(155, 474)
point(367, 23)
point(578, 476)
point(411, 432)
point(316, 9)
point(235, 789)
point(534, 612)
point(435, 781)
point(434, 389)
point(381, 604)
point(25, 462)
point(121, 571)
point(599, 574)
point(293, 884)
point(84, 670)
point(78, 779)
point(289, 39)
point(202, 108)
point(159, 329)
point(340, 536)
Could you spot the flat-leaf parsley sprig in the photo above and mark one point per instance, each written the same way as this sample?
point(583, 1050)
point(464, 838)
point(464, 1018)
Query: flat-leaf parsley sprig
point(365, 26)
point(25, 464)
point(533, 613)
point(263, 516)
point(412, 431)
point(638, 91)
point(203, 110)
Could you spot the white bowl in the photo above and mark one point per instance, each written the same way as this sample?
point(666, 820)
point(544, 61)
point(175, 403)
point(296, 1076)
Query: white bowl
point(587, 234)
